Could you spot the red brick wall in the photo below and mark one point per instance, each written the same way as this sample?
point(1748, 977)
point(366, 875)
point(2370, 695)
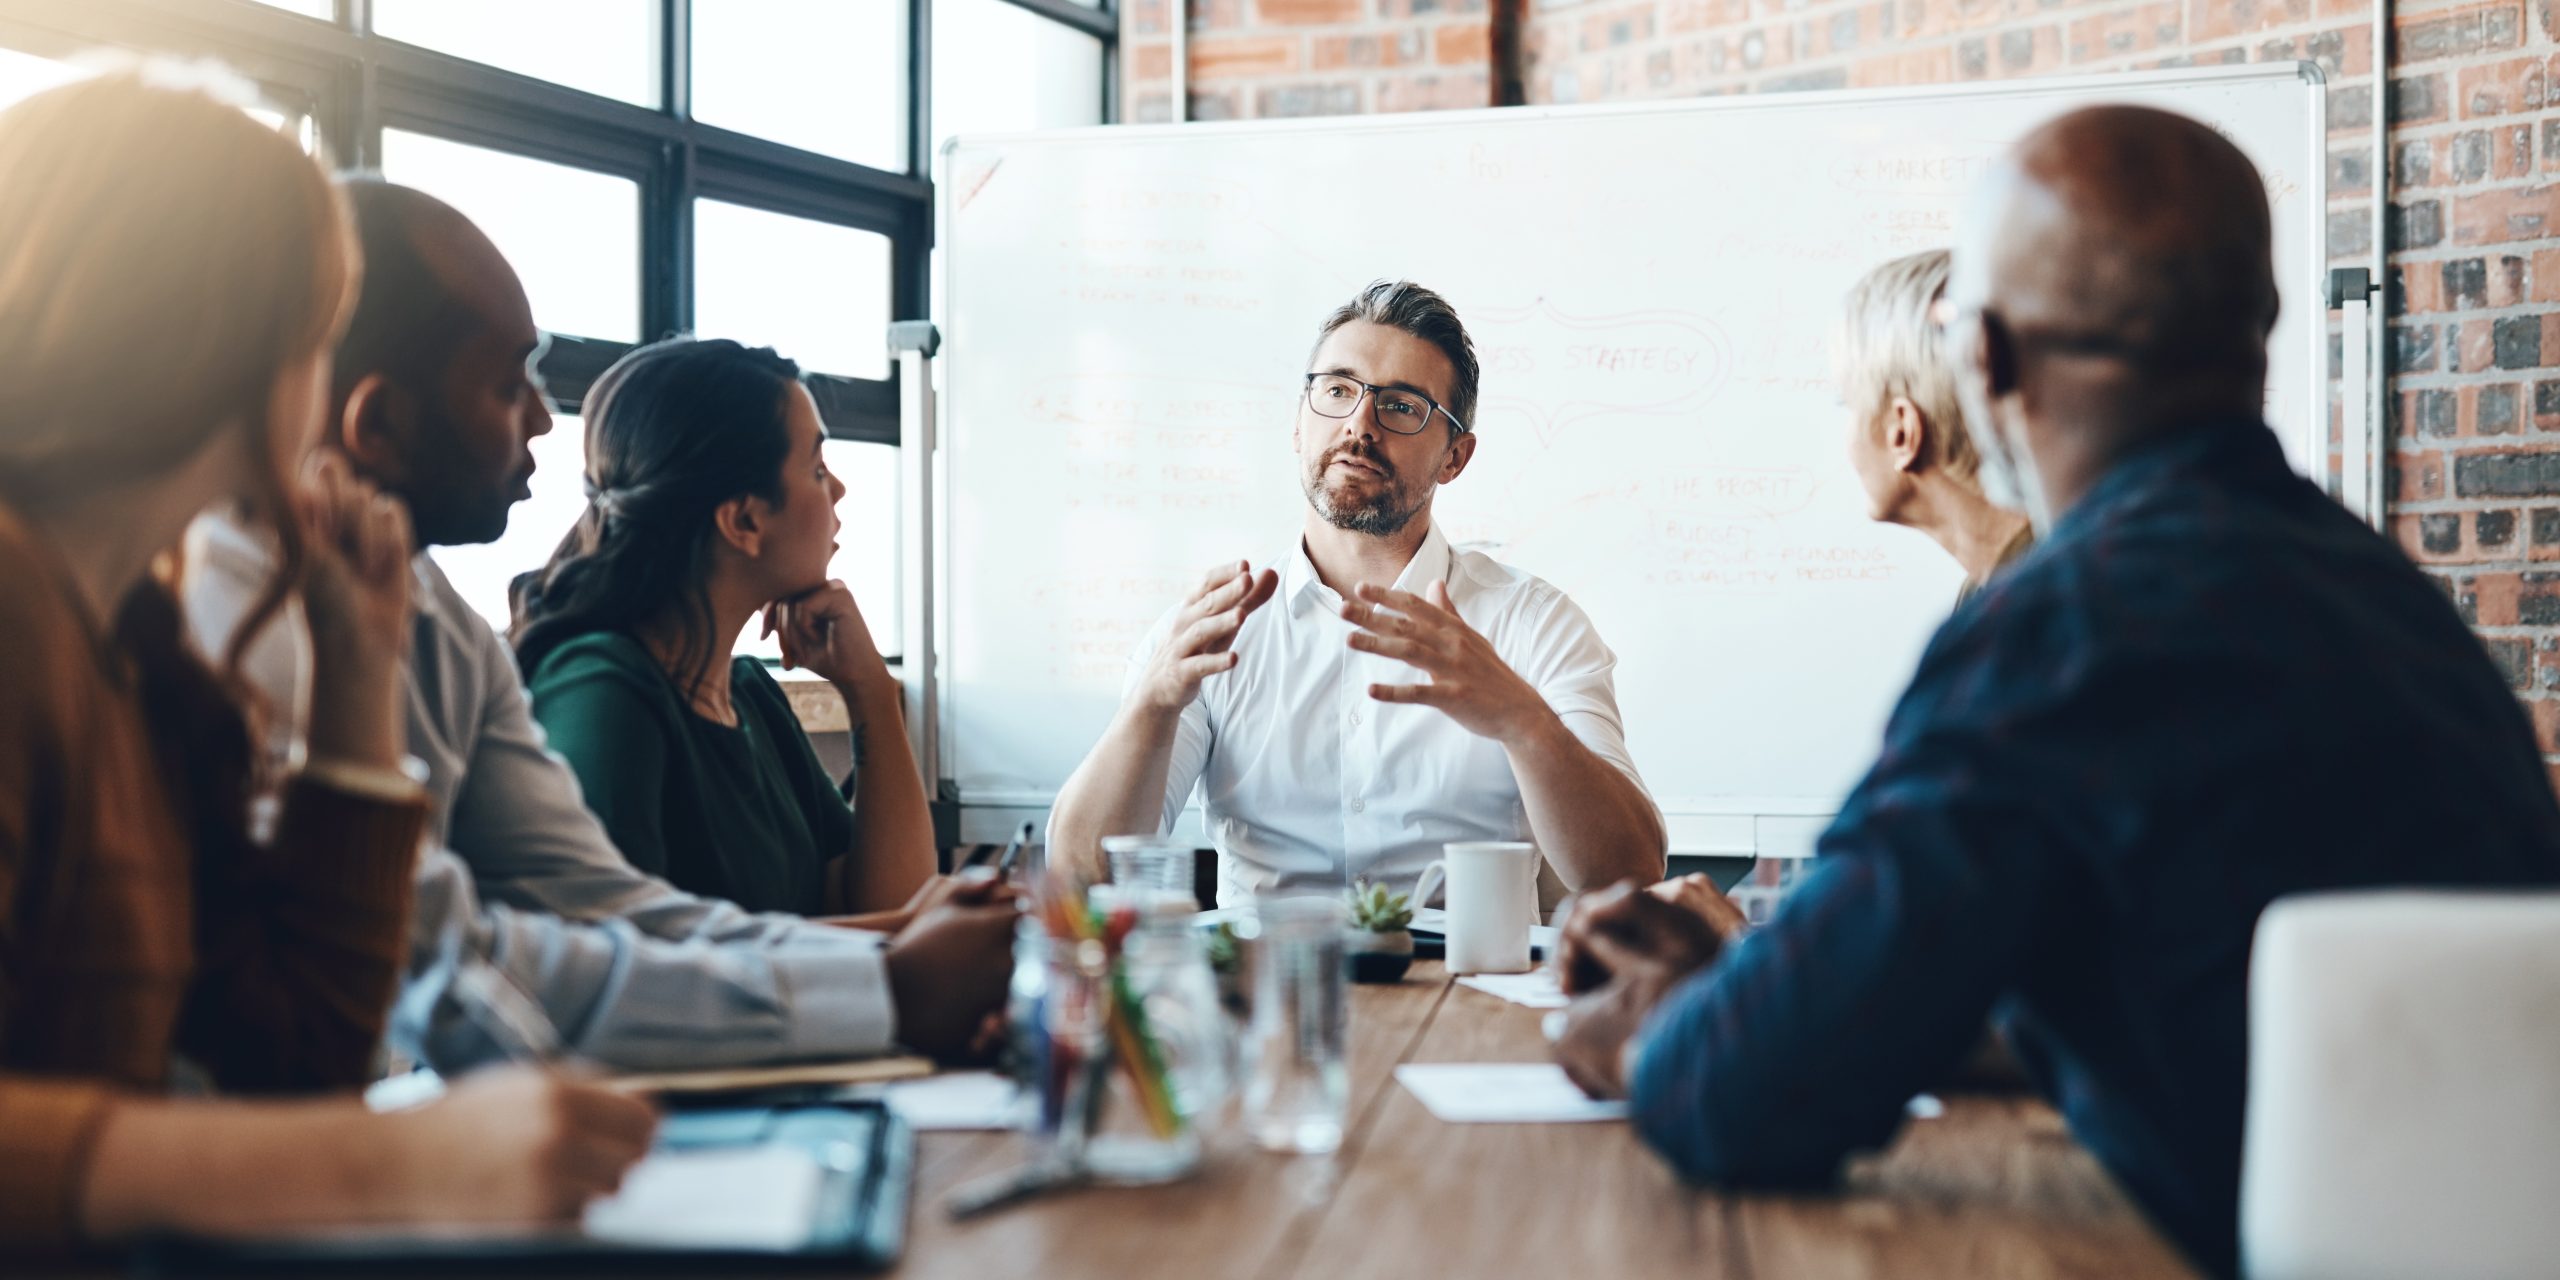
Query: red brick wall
point(2474, 223)
point(1251, 58)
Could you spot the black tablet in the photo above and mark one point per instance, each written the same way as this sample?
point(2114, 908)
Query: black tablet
point(856, 1214)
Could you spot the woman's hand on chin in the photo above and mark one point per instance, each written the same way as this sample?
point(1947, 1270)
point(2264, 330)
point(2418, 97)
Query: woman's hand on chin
point(823, 632)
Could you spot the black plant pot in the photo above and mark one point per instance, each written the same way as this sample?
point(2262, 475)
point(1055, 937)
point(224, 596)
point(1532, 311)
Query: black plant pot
point(1380, 957)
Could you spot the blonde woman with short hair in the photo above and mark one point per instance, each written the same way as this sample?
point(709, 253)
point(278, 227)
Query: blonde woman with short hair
point(1912, 453)
point(173, 275)
point(1908, 440)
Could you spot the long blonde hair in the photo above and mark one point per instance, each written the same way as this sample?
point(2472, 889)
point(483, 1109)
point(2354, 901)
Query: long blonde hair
point(164, 257)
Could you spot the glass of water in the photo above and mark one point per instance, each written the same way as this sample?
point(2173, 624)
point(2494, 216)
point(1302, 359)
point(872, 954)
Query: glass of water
point(1151, 873)
point(1297, 1084)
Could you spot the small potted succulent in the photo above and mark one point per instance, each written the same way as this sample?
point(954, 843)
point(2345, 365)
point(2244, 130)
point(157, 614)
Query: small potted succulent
point(1380, 945)
point(1226, 965)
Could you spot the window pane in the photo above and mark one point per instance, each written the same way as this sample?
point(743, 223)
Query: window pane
point(998, 68)
point(573, 235)
point(814, 291)
point(822, 75)
point(868, 562)
point(868, 559)
point(325, 9)
point(602, 46)
point(24, 74)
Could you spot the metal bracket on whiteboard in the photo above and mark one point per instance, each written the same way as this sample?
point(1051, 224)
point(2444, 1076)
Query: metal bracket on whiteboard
point(2362, 441)
point(914, 335)
point(913, 343)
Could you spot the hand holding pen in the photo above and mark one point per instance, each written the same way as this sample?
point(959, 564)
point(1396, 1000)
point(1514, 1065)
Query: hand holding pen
point(526, 1141)
point(1004, 863)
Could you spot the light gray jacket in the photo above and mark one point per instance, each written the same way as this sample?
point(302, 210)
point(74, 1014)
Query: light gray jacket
point(518, 873)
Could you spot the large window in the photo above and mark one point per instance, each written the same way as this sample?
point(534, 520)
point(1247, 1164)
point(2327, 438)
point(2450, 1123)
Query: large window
point(756, 169)
point(573, 234)
point(829, 76)
point(607, 47)
point(816, 291)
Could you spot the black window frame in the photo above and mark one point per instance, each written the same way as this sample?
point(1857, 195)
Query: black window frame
point(352, 84)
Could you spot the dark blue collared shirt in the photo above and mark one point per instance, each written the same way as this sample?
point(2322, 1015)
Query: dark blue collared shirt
point(2209, 688)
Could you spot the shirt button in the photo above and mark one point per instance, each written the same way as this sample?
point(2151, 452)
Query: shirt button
point(1355, 717)
point(1357, 806)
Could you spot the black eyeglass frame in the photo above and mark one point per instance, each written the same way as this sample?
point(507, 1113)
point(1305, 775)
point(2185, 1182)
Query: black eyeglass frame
point(1368, 389)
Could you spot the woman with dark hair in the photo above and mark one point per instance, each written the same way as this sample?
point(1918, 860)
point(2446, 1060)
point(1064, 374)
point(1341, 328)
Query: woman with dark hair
point(709, 502)
point(173, 275)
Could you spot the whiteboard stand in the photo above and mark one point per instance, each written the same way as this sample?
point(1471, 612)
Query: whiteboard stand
point(913, 344)
point(2361, 439)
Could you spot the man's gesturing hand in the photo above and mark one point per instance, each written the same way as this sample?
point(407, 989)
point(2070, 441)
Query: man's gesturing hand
point(1469, 681)
point(1204, 634)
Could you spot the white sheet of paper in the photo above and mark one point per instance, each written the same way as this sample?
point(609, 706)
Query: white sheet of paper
point(1502, 1093)
point(762, 1197)
point(958, 1100)
point(1537, 988)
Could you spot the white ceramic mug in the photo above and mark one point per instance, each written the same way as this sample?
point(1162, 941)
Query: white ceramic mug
point(1493, 899)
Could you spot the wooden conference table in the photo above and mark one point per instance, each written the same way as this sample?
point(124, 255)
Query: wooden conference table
point(1996, 1187)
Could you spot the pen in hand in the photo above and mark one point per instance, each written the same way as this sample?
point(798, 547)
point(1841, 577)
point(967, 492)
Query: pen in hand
point(1013, 851)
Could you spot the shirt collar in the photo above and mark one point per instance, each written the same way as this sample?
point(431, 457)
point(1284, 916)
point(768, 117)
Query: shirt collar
point(1300, 589)
point(2214, 446)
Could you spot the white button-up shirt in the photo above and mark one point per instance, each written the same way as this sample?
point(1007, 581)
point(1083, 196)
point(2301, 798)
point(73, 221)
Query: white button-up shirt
point(1307, 781)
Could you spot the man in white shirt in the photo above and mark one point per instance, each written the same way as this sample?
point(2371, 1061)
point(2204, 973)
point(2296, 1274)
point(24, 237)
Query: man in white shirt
point(1396, 693)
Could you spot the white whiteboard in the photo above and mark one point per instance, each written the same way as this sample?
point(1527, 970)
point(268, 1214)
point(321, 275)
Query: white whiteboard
point(1651, 290)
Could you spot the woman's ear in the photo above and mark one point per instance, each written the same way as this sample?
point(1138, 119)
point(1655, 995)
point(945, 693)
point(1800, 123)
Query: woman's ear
point(1906, 434)
point(741, 523)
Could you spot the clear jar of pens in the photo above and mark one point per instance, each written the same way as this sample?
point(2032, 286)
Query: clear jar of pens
point(1120, 1040)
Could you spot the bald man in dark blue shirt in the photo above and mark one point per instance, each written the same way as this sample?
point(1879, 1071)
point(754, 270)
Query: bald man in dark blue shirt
point(2209, 687)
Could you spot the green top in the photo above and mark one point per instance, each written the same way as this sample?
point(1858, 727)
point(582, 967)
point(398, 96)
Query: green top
point(743, 813)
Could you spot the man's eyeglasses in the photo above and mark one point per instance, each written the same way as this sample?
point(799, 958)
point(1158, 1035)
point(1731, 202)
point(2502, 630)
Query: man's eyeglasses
point(1402, 412)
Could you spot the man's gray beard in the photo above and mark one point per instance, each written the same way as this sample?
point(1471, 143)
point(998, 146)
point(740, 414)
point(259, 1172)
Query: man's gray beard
point(1378, 517)
point(2008, 476)
point(2010, 480)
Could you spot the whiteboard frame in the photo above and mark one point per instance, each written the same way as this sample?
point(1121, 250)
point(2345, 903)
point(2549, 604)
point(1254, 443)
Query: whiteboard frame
point(1691, 813)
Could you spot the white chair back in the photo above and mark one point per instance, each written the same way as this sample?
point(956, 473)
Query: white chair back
point(2404, 1087)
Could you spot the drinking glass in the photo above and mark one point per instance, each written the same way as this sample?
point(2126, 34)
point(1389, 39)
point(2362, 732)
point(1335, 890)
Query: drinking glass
point(1298, 1080)
point(1151, 873)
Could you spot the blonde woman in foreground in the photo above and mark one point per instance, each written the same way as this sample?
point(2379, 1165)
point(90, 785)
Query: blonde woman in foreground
point(172, 276)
